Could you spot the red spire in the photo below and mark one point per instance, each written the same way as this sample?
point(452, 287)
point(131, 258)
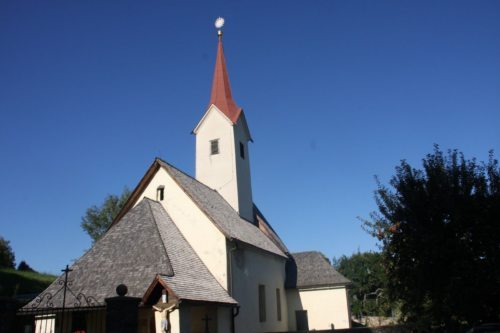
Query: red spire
point(221, 90)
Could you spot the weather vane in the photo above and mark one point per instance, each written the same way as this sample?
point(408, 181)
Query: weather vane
point(219, 23)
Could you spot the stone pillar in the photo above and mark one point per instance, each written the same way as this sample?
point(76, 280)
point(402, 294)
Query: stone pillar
point(122, 312)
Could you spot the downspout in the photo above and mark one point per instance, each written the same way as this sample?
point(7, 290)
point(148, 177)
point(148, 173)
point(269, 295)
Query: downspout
point(234, 315)
point(233, 247)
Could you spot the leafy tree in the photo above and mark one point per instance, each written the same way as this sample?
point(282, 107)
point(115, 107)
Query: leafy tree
point(7, 257)
point(23, 266)
point(367, 274)
point(439, 228)
point(97, 220)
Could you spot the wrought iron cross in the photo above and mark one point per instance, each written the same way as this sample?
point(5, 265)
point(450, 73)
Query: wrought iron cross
point(206, 320)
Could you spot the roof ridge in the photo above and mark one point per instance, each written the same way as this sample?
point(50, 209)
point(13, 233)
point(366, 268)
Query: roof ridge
point(149, 201)
point(188, 175)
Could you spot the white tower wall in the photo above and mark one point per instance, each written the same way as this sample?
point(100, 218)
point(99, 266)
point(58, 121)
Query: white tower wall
point(227, 172)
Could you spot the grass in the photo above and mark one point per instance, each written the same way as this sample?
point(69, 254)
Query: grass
point(14, 282)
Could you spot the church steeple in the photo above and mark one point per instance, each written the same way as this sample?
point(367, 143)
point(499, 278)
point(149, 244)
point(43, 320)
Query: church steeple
point(222, 136)
point(221, 95)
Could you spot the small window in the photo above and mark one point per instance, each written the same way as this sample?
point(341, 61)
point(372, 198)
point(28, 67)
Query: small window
point(160, 193)
point(278, 303)
point(214, 147)
point(242, 150)
point(262, 303)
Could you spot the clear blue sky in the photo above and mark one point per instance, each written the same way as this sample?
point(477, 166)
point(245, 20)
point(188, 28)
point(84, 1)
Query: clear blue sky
point(335, 92)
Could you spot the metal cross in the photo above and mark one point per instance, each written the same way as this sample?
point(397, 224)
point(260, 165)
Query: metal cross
point(206, 320)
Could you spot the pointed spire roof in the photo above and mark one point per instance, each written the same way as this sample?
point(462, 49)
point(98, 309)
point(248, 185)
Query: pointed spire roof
point(221, 95)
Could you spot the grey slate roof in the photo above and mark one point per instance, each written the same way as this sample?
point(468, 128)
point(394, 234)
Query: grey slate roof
point(312, 269)
point(145, 243)
point(220, 211)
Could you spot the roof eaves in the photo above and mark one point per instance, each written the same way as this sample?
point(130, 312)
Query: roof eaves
point(284, 255)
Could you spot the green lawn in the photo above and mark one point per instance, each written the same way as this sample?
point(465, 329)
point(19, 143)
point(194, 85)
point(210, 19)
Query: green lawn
point(14, 282)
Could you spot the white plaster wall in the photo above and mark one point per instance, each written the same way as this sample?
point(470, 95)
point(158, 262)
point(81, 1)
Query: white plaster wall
point(225, 172)
point(207, 241)
point(252, 268)
point(243, 172)
point(324, 307)
point(217, 171)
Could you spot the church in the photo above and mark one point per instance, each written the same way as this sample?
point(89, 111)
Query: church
point(200, 254)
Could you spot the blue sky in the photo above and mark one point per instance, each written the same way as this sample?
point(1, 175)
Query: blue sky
point(335, 92)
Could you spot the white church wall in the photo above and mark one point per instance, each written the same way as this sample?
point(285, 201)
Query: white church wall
point(207, 241)
point(251, 268)
point(324, 307)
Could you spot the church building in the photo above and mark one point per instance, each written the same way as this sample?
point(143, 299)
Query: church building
point(200, 254)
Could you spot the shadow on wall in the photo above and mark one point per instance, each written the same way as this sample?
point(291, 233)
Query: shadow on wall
point(297, 315)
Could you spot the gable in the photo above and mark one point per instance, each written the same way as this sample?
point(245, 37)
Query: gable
point(207, 240)
point(208, 201)
point(214, 118)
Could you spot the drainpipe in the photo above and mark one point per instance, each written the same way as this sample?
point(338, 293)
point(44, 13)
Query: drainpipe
point(233, 247)
point(234, 315)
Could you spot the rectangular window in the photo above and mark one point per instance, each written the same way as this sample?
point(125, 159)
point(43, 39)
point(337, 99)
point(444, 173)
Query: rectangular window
point(160, 193)
point(262, 303)
point(278, 303)
point(242, 150)
point(214, 147)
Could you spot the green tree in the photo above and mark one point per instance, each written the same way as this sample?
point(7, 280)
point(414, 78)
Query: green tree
point(23, 266)
point(7, 258)
point(367, 274)
point(97, 219)
point(439, 229)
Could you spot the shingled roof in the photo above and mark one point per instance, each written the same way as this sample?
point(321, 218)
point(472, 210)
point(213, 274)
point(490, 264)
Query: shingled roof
point(145, 244)
point(221, 213)
point(312, 270)
point(216, 208)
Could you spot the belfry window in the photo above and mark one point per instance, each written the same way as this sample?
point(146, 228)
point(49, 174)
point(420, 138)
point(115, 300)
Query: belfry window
point(160, 193)
point(242, 150)
point(214, 147)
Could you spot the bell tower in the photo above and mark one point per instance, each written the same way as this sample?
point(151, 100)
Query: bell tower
point(222, 136)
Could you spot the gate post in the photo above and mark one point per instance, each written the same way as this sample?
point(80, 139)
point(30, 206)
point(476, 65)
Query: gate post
point(8, 308)
point(122, 312)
